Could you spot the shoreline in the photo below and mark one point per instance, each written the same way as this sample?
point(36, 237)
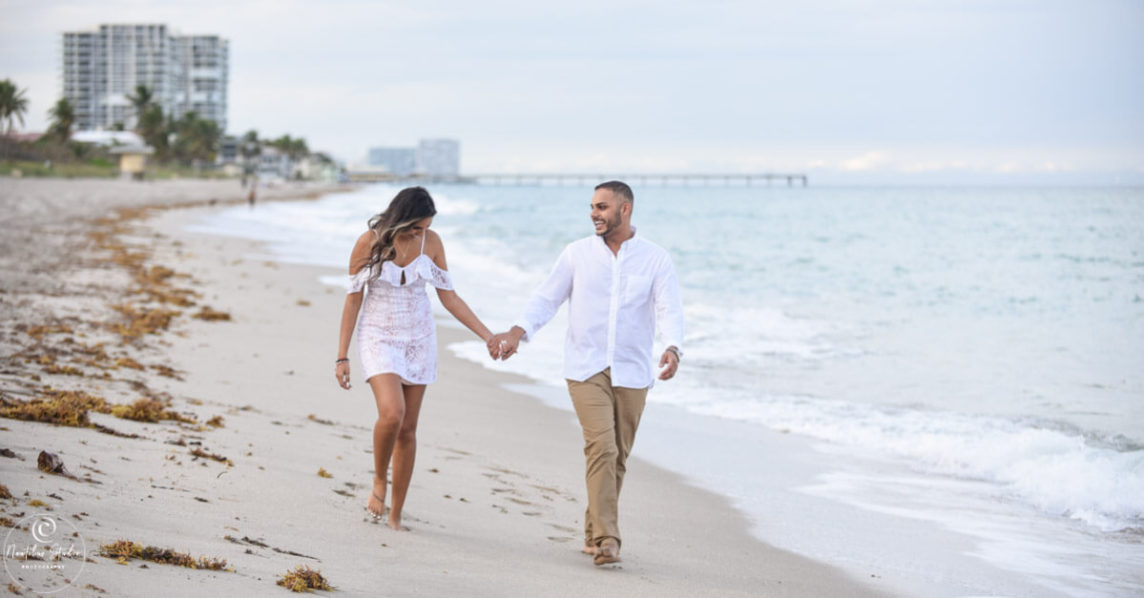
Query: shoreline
point(493, 514)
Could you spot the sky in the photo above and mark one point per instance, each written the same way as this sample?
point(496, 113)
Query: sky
point(893, 91)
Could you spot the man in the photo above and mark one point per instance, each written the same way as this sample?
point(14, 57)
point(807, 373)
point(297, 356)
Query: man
point(620, 288)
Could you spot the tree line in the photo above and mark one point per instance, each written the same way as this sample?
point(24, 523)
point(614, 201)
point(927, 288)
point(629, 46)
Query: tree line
point(187, 139)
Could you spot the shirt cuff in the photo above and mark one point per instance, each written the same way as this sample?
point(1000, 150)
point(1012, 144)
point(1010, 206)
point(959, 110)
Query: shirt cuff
point(527, 330)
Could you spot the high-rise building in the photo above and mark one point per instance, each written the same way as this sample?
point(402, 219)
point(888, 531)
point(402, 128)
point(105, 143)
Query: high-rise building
point(204, 73)
point(439, 157)
point(102, 68)
point(399, 161)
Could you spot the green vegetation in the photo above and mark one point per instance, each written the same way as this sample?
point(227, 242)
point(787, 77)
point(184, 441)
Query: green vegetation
point(13, 105)
point(63, 118)
point(185, 146)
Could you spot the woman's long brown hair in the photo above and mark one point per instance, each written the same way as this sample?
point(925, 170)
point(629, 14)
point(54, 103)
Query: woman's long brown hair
point(409, 206)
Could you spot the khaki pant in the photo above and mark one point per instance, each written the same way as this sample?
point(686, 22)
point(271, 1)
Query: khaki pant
point(609, 417)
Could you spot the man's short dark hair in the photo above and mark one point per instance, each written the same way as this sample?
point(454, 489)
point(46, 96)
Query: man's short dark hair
point(619, 188)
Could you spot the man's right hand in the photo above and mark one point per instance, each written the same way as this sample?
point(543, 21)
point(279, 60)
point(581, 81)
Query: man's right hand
point(504, 345)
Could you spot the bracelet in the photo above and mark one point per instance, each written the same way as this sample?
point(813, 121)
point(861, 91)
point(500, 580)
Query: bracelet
point(678, 354)
point(342, 360)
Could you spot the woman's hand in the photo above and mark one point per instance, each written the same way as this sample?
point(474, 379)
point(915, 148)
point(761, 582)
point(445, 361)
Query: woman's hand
point(342, 373)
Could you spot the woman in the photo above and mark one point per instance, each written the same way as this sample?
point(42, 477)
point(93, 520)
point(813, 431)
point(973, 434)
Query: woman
point(397, 340)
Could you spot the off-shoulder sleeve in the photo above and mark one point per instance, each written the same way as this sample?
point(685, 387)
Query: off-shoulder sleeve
point(438, 277)
point(357, 281)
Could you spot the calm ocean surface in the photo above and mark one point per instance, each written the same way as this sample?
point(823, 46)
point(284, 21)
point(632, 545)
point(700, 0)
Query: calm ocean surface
point(988, 342)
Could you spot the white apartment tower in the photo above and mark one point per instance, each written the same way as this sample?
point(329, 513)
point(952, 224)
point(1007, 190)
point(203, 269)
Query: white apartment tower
point(102, 68)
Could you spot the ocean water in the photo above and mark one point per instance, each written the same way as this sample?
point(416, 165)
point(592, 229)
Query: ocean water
point(968, 357)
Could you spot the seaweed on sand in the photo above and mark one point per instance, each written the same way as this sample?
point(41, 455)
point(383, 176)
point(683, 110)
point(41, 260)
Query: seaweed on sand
point(125, 550)
point(141, 320)
point(211, 315)
point(200, 453)
point(71, 407)
point(148, 410)
point(304, 579)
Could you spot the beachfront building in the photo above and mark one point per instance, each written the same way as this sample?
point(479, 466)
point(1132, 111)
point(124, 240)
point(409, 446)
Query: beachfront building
point(102, 68)
point(439, 157)
point(204, 66)
point(274, 164)
point(398, 161)
point(435, 158)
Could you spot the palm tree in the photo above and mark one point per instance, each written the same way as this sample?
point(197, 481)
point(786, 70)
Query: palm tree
point(63, 117)
point(13, 105)
point(153, 129)
point(294, 147)
point(196, 139)
point(142, 100)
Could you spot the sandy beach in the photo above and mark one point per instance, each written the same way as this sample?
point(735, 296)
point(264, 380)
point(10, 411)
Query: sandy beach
point(266, 465)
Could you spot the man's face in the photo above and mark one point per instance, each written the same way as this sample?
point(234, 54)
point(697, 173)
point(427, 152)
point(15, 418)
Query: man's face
point(606, 212)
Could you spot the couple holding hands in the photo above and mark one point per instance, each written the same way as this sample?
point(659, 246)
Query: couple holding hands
point(620, 288)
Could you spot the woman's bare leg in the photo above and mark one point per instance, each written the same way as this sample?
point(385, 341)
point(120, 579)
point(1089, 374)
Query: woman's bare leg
point(389, 396)
point(405, 452)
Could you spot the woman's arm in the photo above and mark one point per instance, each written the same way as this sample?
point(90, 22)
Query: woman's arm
point(358, 258)
point(450, 299)
point(460, 310)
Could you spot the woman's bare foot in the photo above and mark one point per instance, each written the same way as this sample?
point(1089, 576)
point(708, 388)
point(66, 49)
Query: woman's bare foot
point(590, 550)
point(394, 523)
point(376, 504)
point(609, 552)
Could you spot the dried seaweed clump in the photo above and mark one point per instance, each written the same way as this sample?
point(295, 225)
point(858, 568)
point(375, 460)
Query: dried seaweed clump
point(148, 410)
point(142, 321)
point(125, 550)
point(212, 315)
point(60, 407)
point(4, 492)
point(153, 282)
point(304, 579)
point(71, 407)
point(38, 332)
point(201, 454)
point(322, 473)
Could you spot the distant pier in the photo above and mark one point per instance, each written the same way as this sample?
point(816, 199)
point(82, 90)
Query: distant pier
point(582, 179)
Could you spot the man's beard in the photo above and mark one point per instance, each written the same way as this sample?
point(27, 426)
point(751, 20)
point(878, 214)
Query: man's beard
point(609, 226)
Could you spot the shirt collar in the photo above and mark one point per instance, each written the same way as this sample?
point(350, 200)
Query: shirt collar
point(634, 236)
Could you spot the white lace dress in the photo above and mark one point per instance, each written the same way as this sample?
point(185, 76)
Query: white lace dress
point(395, 329)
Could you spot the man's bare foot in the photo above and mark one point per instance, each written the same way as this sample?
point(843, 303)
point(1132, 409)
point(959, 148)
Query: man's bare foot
point(375, 506)
point(609, 552)
point(590, 550)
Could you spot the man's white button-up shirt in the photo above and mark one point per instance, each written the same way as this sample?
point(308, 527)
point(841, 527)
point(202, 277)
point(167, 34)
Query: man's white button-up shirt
point(615, 303)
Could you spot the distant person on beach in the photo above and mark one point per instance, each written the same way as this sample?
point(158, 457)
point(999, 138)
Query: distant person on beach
point(252, 197)
point(397, 340)
point(620, 288)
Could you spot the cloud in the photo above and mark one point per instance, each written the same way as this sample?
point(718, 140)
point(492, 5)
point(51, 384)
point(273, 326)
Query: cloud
point(867, 161)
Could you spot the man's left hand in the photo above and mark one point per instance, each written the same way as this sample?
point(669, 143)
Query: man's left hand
point(671, 360)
